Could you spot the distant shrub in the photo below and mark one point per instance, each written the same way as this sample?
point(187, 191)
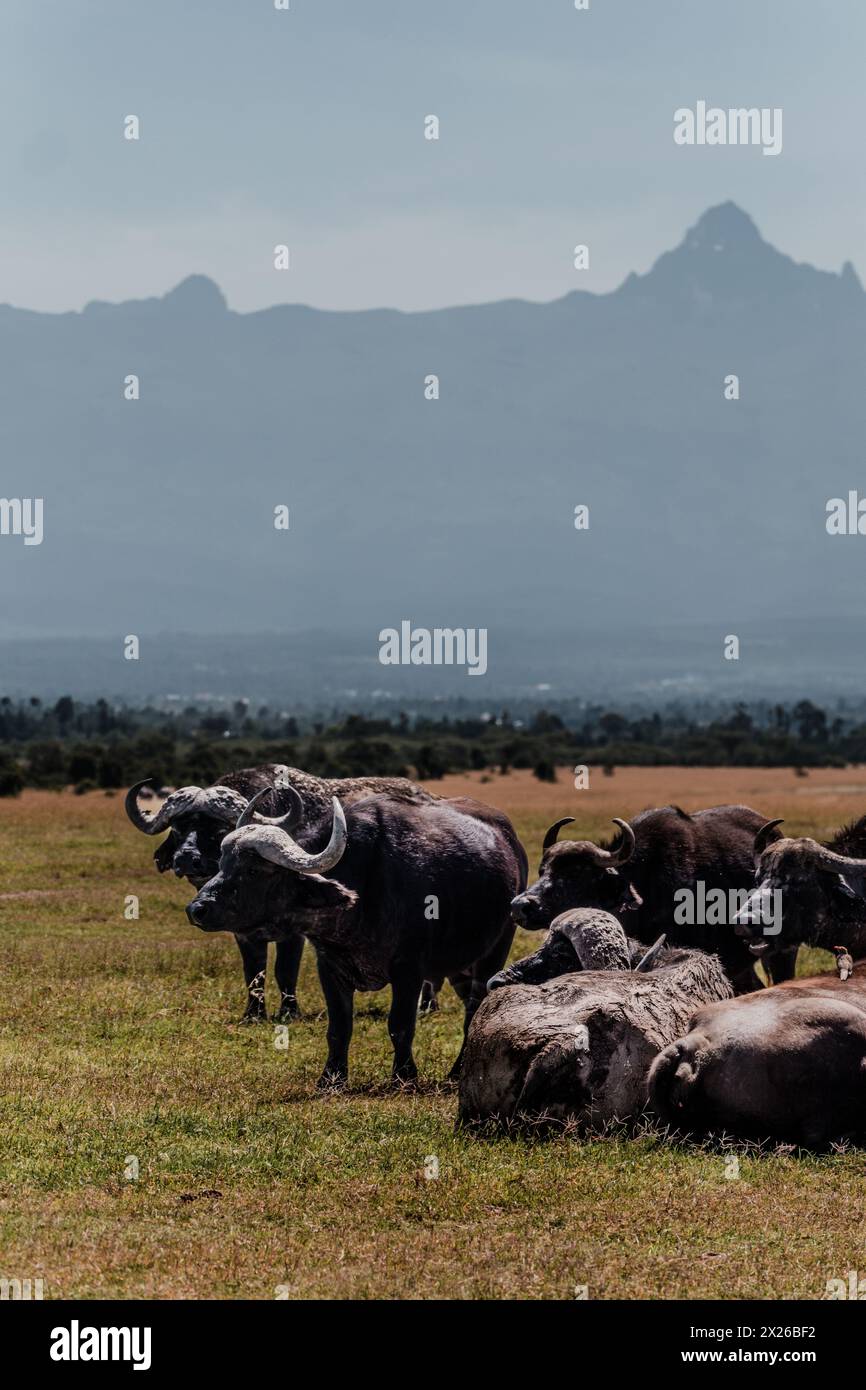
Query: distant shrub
point(371, 757)
point(11, 780)
point(285, 753)
point(201, 766)
point(85, 786)
point(430, 765)
point(46, 764)
point(110, 771)
point(84, 762)
point(544, 771)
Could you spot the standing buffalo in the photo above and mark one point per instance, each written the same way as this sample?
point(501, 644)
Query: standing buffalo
point(786, 1063)
point(657, 855)
point(197, 819)
point(821, 890)
point(402, 892)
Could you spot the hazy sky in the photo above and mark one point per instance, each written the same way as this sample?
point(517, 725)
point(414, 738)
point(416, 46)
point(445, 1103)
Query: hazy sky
point(306, 127)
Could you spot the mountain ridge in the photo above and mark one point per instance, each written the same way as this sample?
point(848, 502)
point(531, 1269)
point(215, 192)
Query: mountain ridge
point(724, 226)
point(159, 512)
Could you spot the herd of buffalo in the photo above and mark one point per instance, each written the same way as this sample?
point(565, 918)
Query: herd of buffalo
point(639, 998)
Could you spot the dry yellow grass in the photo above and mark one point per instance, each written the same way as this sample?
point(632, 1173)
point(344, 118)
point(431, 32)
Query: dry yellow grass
point(117, 1039)
point(816, 804)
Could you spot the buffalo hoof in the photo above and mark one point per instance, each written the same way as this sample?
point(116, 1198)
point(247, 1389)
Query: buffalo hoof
point(332, 1080)
point(405, 1076)
point(254, 1016)
point(289, 1011)
point(428, 1004)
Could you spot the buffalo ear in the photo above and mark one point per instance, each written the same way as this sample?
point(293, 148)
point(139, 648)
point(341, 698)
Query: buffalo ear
point(326, 894)
point(853, 885)
point(553, 831)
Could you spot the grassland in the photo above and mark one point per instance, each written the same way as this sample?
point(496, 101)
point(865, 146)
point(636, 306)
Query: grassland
point(118, 1040)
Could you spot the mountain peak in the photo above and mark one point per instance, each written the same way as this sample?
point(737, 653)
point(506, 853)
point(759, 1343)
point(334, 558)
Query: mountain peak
point(196, 295)
point(723, 228)
point(724, 259)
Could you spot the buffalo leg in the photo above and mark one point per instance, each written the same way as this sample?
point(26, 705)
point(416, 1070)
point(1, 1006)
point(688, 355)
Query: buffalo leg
point(428, 1003)
point(470, 992)
point(471, 986)
point(254, 955)
point(740, 967)
point(405, 986)
point(745, 981)
point(286, 968)
point(340, 1002)
point(780, 964)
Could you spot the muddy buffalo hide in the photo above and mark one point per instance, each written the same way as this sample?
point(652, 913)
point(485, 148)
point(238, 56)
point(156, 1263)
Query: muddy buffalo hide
point(580, 1046)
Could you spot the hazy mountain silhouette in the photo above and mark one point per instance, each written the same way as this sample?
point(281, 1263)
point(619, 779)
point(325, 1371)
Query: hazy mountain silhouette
point(457, 512)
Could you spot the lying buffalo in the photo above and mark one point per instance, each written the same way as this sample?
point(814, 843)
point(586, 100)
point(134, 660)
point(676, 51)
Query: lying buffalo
point(582, 939)
point(787, 1063)
point(657, 855)
point(821, 889)
point(578, 1046)
point(402, 892)
point(197, 819)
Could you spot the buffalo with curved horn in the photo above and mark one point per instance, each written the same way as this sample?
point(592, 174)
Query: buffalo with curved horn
point(608, 857)
point(197, 819)
point(807, 891)
point(637, 877)
point(389, 891)
point(219, 803)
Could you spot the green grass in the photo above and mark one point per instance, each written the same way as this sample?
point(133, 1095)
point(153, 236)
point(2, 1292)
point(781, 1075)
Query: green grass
point(117, 1039)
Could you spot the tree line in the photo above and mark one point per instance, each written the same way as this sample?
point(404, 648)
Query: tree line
point(97, 744)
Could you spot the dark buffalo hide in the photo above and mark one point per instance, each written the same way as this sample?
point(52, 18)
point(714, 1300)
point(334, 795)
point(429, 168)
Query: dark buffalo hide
point(786, 1063)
